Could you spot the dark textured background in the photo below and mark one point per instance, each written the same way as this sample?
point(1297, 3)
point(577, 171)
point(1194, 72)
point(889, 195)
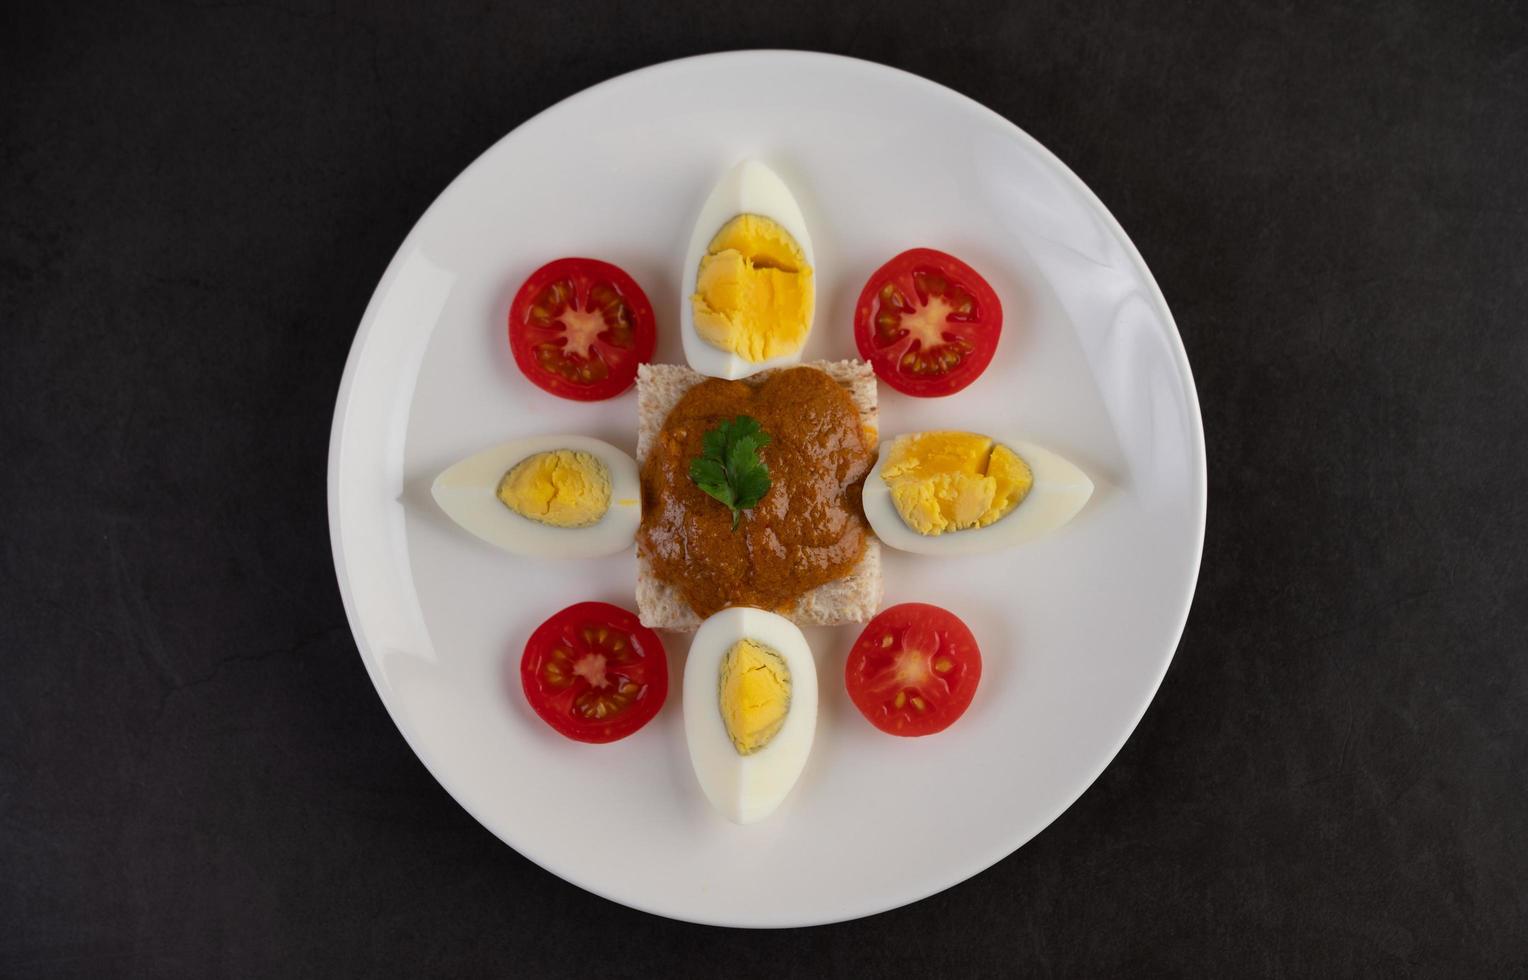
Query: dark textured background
point(196, 777)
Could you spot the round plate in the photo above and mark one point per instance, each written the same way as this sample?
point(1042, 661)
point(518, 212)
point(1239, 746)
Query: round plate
point(1076, 629)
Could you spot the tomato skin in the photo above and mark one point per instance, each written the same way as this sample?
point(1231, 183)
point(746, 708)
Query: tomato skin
point(565, 650)
point(912, 654)
point(887, 328)
point(621, 331)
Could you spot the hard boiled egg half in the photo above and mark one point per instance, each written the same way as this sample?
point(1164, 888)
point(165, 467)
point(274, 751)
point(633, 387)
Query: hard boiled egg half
point(546, 497)
point(750, 710)
point(960, 493)
point(749, 291)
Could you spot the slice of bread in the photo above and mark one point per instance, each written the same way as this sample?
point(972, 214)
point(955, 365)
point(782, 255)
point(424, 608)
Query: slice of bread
point(851, 599)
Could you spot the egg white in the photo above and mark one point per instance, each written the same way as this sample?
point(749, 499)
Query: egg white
point(1060, 490)
point(747, 788)
point(467, 492)
point(748, 188)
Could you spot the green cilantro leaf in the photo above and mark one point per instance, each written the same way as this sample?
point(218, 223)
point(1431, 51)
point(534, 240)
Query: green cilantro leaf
point(729, 467)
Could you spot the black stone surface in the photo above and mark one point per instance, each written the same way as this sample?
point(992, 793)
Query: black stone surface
point(196, 778)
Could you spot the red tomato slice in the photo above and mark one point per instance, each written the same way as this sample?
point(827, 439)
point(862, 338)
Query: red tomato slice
point(928, 323)
point(580, 327)
point(913, 670)
point(594, 672)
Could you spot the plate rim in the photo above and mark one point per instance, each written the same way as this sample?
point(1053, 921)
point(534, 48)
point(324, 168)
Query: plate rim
point(1199, 464)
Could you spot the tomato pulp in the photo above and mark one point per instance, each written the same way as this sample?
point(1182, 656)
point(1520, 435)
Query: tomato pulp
point(914, 669)
point(579, 328)
point(928, 323)
point(594, 672)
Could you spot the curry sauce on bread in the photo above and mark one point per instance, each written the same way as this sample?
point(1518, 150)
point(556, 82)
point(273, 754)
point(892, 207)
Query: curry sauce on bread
point(808, 528)
point(805, 549)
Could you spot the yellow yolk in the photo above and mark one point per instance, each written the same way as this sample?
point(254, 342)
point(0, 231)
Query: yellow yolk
point(753, 293)
point(563, 488)
point(755, 695)
point(951, 481)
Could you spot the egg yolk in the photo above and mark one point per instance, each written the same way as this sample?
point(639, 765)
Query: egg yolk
point(755, 695)
point(753, 293)
point(563, 488)
point(951, 481)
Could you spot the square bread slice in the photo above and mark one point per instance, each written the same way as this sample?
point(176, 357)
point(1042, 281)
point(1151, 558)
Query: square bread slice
point(851, 599)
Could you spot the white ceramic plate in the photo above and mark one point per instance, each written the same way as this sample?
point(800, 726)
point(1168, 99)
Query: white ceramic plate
point(1076, 628)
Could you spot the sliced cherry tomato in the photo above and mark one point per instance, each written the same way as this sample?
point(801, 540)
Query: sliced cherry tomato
point(580, 327)
point(594, 672)
point(913, 670)
point(928, 323)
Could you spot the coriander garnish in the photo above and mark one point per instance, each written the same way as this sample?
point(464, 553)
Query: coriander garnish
point(729, 467)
